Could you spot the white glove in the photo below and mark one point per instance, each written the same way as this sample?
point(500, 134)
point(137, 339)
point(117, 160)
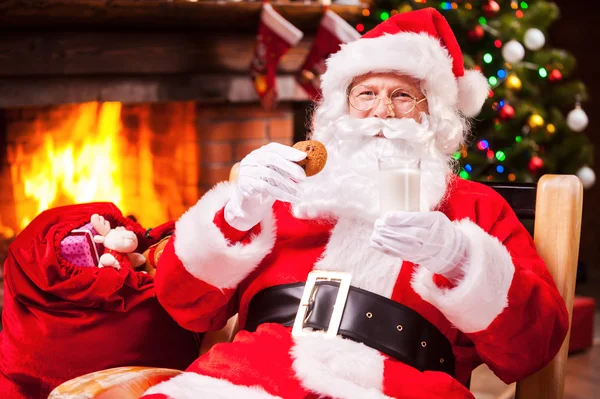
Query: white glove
point(265, 175)
point(429, 239)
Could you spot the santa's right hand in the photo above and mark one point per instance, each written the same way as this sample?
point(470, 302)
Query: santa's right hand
point(265, 175)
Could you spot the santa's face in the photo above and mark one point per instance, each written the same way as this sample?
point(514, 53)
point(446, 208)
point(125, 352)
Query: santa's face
point(348, 185)
point(386, 95)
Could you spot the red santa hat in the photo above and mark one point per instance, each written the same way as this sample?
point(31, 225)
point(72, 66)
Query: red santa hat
point(420, 44)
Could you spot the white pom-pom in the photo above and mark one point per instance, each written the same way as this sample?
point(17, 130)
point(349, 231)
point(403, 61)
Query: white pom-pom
point(577, 120)
point(534, 39)
point(587, 176)
point(513, 52)
point(473, 89)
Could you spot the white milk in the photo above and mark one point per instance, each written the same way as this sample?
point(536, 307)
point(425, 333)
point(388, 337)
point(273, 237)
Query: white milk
point(399, 190)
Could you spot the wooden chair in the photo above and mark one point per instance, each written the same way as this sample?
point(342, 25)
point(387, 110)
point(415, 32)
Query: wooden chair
point(555, 202)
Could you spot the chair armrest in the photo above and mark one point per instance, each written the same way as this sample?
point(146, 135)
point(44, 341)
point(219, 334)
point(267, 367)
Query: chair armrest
point(120, 382)
point(226, 334)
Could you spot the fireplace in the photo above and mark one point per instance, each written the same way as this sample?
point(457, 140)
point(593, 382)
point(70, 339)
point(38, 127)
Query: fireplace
point(152, 160)
point(144, 103)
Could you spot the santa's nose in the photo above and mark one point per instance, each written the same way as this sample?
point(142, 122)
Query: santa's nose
point(383, 110)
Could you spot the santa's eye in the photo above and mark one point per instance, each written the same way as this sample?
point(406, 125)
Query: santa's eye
point(401, 95)
point(366, 94)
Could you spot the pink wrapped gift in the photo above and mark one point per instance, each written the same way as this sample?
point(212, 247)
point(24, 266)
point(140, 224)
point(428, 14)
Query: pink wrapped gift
point(79, 247)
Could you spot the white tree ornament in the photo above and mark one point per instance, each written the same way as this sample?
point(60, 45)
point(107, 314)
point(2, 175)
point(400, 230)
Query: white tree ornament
point(587, 176)
point(534, 39)
point(577, 120)
point(513, 52)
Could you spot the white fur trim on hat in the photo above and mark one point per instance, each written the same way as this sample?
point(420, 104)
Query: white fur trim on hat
point(482, 294)
point(207, 254)
point(473, 89)
point(192, 386)
point(414, 54)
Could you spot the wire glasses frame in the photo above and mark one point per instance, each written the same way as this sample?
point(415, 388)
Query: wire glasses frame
point(361, 98)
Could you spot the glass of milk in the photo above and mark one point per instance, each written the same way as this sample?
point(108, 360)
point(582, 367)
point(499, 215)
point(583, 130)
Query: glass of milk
point(399, 184)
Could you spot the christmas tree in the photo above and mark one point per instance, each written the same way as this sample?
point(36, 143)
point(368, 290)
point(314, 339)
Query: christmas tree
point(532, 122)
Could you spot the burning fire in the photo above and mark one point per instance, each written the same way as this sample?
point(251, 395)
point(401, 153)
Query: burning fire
point(83, 169)
point(85, 158)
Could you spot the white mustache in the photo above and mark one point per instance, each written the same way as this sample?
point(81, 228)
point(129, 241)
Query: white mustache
point(349, 128)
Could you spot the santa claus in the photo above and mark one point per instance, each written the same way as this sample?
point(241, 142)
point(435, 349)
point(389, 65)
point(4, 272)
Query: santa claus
point(405, 304)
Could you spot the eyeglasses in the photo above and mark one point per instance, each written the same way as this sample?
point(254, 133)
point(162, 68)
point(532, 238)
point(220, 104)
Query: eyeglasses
point(363, 98)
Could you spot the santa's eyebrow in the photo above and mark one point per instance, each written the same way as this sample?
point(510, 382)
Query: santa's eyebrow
point(406, 89)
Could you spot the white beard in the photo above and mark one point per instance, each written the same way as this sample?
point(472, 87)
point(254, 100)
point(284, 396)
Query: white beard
point(348, 185)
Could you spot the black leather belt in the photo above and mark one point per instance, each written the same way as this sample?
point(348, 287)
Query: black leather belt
point(372, 319)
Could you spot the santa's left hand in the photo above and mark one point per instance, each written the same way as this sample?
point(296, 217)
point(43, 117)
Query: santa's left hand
point(429, 239)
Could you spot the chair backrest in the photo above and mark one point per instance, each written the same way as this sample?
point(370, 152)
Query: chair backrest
point(556, 204)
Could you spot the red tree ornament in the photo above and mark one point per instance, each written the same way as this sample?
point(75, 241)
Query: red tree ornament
point(476, 34)
point(507, 112)
point(491, 8)
point(555, 76)
point(535, 164)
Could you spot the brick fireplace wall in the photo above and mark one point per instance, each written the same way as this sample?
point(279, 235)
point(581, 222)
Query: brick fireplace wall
point(226, 134)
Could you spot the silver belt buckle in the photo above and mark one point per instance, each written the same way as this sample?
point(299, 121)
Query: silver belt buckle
point(338, 309)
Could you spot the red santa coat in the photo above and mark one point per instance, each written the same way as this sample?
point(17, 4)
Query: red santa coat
point(505, 311)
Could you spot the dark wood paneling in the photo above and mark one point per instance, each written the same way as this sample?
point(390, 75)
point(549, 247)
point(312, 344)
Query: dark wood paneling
point(124, 52)
point(204, 88)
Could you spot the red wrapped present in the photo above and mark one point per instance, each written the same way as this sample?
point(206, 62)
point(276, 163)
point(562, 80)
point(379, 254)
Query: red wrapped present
point(79, 247)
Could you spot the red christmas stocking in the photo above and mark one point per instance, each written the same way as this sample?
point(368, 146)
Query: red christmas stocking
point(275, 37)
point(333, 32)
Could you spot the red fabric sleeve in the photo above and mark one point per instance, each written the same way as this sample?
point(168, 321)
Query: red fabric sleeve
point(193, 304)
point(232, 234)
point(205, 261)
point(531, 329)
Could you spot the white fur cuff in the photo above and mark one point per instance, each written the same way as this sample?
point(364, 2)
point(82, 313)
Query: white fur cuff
point(482, 294)
point(338, 367)
point(192, 386)
point(207, 254)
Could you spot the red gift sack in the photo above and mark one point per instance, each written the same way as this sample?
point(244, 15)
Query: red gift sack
point(61, 321)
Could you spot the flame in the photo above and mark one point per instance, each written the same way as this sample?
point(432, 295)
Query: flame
point(84, 168)
point(83, 158)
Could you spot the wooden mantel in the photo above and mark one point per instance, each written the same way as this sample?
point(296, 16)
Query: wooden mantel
point(54, 51)
point(197, 14)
